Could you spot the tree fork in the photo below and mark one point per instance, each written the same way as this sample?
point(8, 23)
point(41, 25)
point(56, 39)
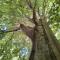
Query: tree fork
point(52, 53)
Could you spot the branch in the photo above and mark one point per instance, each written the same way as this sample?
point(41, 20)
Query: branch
point(44, 6)
point(38, 11)
point(29, 3)
point(6, 31)
point(35, 4)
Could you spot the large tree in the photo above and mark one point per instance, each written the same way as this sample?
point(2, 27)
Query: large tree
point(45, 45)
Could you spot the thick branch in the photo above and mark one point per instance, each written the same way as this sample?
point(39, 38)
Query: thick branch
point(27, 30)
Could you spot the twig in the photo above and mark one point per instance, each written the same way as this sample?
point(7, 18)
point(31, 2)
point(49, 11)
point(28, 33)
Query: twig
point(10, 30)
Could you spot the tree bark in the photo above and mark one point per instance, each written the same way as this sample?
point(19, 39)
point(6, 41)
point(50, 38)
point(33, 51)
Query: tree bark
point(45, 46)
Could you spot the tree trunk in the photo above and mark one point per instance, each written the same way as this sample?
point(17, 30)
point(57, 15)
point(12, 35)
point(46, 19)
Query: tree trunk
point(45, 46)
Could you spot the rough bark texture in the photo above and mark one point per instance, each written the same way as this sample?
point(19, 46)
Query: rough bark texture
point(45, 45)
